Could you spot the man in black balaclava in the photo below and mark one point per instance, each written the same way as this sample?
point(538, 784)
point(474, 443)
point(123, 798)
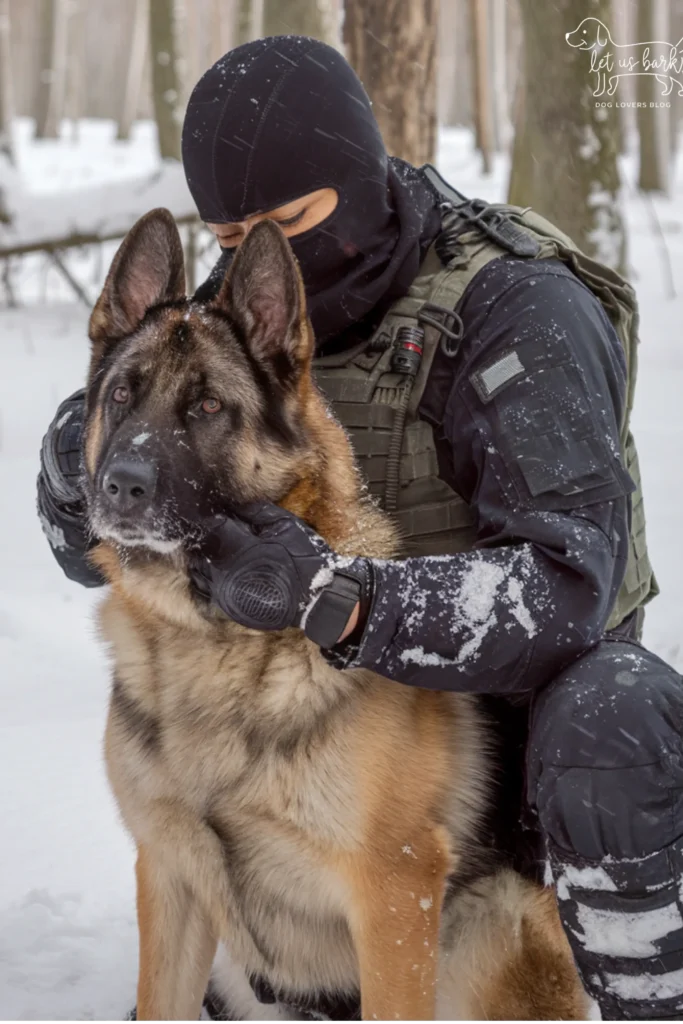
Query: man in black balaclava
point(279, 119)
point(525, 404)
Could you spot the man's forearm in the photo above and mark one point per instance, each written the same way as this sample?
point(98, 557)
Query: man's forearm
point(497, 620)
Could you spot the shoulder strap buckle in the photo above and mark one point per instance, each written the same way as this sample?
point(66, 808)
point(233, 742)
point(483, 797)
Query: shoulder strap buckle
point(493, 222)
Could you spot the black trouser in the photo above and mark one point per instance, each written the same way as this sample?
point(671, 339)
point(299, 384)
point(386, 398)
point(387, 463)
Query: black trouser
point(605, 776)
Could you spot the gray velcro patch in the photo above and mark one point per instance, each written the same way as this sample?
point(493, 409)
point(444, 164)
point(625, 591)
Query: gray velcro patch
point(489, 382)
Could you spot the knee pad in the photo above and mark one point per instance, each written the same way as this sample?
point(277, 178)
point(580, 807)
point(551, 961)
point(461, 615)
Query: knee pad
point(605, 762)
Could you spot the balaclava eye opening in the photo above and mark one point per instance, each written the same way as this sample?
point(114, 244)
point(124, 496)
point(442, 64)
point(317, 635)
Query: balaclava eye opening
point(281, 117)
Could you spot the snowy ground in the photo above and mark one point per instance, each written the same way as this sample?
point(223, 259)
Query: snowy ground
point(67, 932)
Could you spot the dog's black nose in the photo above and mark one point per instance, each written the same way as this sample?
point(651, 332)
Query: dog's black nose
point(129, 484)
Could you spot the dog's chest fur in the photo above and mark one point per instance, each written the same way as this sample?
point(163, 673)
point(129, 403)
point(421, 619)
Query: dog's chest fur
point(252, 734)
point(268, 756)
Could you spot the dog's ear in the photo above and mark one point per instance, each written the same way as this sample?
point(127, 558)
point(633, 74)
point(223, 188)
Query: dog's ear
point(147, 269)
point(263, 293)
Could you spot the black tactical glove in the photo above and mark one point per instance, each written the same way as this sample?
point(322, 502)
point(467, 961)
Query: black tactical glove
point(267, 569)
point(61, 451)
point(60, 502)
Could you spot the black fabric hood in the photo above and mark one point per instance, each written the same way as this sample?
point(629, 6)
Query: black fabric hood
point(280, 117)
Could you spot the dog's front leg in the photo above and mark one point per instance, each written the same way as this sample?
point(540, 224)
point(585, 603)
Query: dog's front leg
point(397, 896)
point(177, 944)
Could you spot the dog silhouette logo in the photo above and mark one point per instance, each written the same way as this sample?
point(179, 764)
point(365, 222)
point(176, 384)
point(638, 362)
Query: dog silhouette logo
point(610, 61)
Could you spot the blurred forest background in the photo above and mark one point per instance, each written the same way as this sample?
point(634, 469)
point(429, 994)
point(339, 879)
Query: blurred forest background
point(499, 67)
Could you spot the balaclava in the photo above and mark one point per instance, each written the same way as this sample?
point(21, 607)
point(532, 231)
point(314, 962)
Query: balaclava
point(280, 117)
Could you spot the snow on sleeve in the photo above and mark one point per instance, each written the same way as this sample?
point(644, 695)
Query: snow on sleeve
point(471, 607)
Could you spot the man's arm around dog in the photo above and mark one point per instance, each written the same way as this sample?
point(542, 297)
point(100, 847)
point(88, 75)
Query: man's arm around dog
point(538, 460)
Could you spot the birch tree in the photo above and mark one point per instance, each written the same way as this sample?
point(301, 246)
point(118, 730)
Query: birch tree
point(565, 149)
point(166, 86)
point(392, 46)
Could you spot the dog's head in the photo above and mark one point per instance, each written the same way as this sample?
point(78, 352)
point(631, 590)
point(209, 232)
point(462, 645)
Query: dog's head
point(195, 408)
point(591, 34)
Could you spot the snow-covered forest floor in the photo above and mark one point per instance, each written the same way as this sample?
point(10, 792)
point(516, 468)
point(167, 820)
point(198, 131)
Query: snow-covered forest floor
point(67, 932)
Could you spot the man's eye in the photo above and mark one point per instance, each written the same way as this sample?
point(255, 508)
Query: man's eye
point(288, 221)
point(211, 405)
point(120, 395)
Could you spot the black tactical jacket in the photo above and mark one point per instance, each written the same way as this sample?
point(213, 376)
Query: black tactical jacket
point(538, 588)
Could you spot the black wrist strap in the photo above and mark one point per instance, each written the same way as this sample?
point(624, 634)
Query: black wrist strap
point(330, 614)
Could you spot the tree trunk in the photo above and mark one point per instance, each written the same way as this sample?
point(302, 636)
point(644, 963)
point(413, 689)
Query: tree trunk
point(165, 77)
point(243, 26)
point(513, 64)
point(483, 128)
point(6, 116)
point(75, 89)
point(499, 49)
point(313, 18)
point(565, 151)
point(676, 109)
point(454, 64)
point(250, 21)
point(52, 72)
point(137, 57)
point(6, 96)
point(192, 12)
point(521, 163)
point(226, 17)
point(446, 64)
point(392, 46)
point(653, 122)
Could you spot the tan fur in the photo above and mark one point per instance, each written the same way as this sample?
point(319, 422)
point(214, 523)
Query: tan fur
point(94, 440)
point(304, 817)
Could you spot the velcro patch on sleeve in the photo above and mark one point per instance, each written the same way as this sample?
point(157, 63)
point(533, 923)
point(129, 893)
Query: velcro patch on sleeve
point(489, 381)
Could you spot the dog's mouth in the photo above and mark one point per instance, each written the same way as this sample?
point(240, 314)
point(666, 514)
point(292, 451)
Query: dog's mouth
point(135, 539)
point(160, 533)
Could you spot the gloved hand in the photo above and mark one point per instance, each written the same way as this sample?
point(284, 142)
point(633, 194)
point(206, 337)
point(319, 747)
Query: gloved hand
point(60, 503)
point(61, 451)
point(267, 569)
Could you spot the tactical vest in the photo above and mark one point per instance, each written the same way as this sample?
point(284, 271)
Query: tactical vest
point(375, 389)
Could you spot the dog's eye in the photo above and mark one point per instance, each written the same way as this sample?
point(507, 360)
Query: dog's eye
point(120, 395)
point(210, 405)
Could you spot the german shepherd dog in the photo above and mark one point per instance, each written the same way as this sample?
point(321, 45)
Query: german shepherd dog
point(315, 824)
